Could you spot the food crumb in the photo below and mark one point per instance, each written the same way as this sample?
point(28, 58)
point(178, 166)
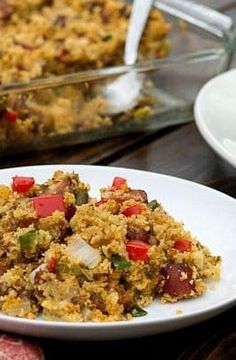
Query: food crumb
point(178, 312)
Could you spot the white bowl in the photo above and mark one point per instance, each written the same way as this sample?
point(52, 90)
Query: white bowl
point(215, 115)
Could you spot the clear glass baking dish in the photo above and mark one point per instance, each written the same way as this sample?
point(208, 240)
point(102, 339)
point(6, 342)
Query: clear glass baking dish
point(171, 84)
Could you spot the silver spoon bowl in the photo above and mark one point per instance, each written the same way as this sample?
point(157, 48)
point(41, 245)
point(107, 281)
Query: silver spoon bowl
point(123, 93)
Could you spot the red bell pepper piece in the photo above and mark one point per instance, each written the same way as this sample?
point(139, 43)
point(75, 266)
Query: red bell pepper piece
point(137, 250)
point(22, 184)
point(11, 115)
point(183, 245)
point(52, 264)
point(45, 205)
point(132, 210)
point(118, 183)
point(101, 202)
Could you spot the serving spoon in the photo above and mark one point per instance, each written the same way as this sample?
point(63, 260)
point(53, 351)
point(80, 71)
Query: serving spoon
point(122, 94)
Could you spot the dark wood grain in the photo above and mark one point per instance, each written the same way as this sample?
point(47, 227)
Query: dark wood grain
point(78, 154)
point(220, 344)
point(182, 153)
point(210, 340)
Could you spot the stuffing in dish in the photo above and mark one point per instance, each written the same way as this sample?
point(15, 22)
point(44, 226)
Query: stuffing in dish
point(67, 256)
point(41, 39)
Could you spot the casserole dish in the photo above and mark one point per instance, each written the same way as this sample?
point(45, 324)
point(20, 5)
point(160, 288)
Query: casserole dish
point(60, 110)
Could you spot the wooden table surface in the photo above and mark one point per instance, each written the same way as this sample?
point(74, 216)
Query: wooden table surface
point(178, 151)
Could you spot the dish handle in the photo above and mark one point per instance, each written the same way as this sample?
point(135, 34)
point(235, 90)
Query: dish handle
point(199, 15)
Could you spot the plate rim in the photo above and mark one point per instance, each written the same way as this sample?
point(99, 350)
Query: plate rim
point(215, 144)
point(152, 173)
point(173, 320)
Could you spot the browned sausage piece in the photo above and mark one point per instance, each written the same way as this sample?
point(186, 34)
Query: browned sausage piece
point(178, 280)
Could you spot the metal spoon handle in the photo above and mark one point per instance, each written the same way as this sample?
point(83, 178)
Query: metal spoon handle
point(137, 22)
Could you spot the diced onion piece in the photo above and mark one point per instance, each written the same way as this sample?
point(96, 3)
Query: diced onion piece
point(81, 250)
point(32, 275)
point(23, 308)
point(85, 313)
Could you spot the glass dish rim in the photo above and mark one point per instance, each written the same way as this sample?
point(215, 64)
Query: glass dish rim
point(228, 45)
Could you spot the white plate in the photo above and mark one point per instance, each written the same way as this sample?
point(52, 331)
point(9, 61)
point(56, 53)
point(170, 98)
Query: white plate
point(209, 214)
point(215, 114)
